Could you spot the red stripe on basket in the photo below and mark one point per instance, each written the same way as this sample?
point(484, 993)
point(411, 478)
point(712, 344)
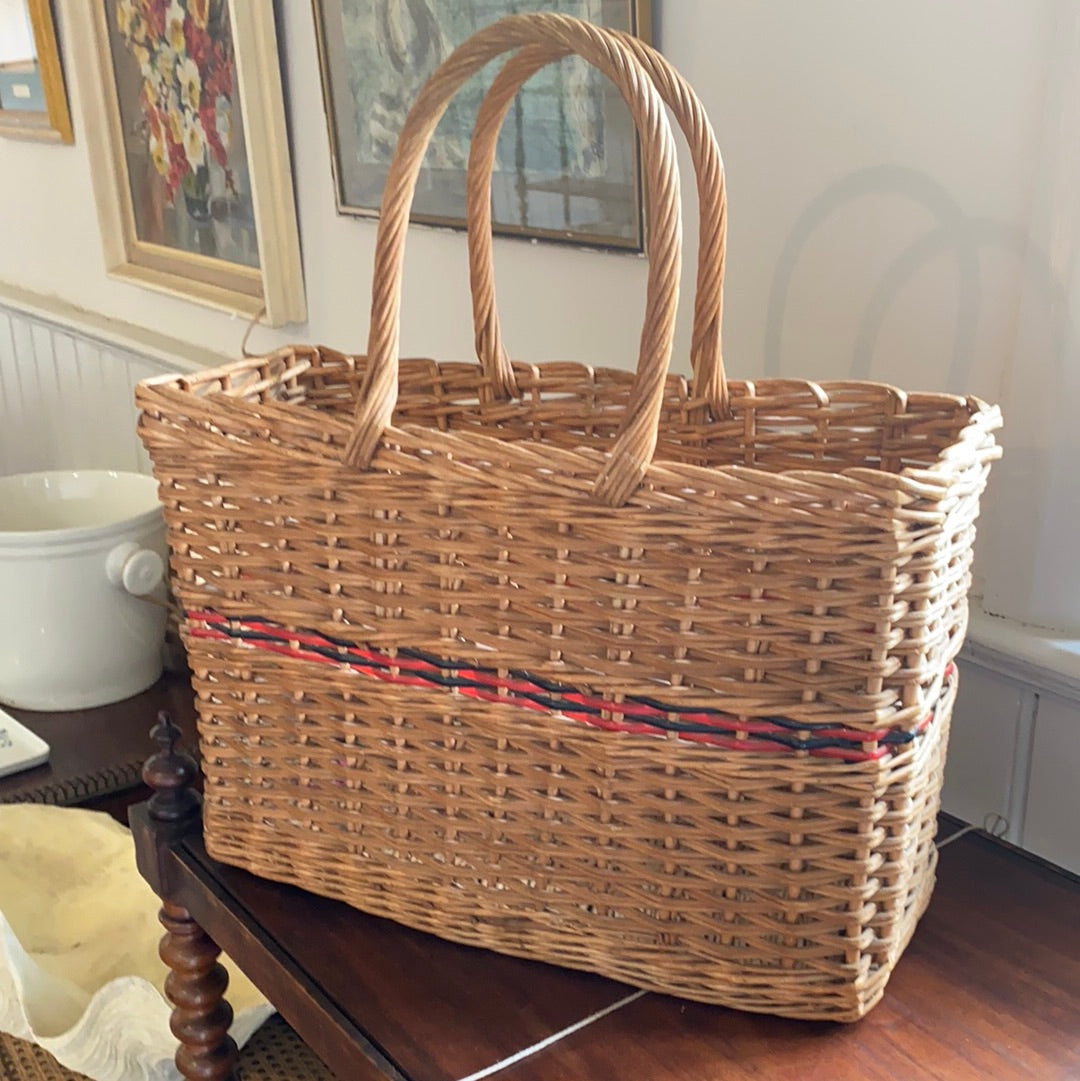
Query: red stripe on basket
point(629, 717)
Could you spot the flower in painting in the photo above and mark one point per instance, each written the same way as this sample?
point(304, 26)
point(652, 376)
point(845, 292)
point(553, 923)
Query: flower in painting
point(194, 141)
point(187, 75)
point(224, 129)
point(178, 164)
point(219, 78)
point(200, 12)
point(183, 49)
point(175, 120)
point(159, 155)
point(154, 12)
point(159, 149)
point(125, 12)
point(164, 67)
point(212, 127)
point(199, 45)
point(138, 29)
point(153, 121)
point(174, 26)
point(142, 58)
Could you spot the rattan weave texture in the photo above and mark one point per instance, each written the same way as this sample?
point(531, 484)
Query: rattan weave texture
point(789, 554)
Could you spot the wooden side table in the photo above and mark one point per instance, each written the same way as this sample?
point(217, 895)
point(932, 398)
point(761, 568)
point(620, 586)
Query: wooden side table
point(990, 986)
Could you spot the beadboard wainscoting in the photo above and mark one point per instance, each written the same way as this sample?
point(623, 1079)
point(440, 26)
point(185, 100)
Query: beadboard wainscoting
point(66, 401)
point(67, 381)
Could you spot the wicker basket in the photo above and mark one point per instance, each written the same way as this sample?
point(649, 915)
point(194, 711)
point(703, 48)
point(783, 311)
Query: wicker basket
point(635, 675)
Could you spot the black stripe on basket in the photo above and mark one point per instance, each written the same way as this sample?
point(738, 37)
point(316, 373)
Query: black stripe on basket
point(439, 675)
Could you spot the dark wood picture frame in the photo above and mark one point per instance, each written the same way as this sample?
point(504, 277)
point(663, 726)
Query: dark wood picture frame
point(345, 118)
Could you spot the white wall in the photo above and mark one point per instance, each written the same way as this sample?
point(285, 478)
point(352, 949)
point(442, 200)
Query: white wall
point(919, 106)
point(883, 160)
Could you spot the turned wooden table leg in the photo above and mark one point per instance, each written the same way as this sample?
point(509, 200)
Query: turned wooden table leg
point(196, 982)
point(196, 987)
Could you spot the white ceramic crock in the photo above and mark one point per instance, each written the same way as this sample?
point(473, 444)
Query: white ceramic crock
point(82, 555)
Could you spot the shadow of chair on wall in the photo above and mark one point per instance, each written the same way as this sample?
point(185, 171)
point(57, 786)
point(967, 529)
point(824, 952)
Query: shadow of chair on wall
point(966, 236)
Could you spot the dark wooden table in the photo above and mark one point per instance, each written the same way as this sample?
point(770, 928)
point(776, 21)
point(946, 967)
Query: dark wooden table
point(989, 988)
point(96, 755)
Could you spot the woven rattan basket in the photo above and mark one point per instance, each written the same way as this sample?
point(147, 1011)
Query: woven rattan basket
point(623, 672)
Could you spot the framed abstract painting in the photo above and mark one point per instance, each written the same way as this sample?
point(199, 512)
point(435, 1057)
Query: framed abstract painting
point(186, 124)
point(568, 165)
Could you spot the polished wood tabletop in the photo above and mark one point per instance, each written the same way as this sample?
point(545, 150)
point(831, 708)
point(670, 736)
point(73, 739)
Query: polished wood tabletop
point(989, 989)
point(97, 753)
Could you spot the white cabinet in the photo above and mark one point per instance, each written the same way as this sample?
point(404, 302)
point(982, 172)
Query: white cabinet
point(1052, 823)
point(982, 746)
point(1015, 751)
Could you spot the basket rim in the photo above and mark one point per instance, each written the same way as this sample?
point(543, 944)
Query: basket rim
point(974, 443)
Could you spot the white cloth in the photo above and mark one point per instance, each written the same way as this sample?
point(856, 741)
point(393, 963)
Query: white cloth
point(79, 968)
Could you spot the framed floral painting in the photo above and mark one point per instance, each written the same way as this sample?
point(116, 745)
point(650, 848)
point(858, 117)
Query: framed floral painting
point(568, 163)
point(186, 121)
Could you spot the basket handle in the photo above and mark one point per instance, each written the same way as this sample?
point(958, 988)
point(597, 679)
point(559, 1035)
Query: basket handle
point(636, 441)
point(706, 354)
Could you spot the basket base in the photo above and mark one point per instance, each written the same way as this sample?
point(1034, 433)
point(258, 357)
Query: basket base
point(772, 883)
point(801, 995)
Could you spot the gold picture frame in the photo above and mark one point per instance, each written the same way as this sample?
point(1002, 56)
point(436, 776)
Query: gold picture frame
point(52, 123)
point(218, 229)
point(371, 72)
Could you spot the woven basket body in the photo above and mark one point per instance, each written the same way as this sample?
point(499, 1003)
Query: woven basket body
point(452, 666)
